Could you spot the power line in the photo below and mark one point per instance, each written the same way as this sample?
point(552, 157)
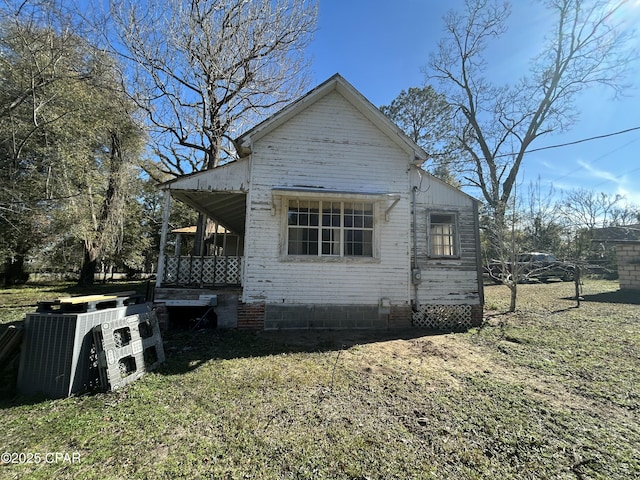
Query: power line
point(597, 159)
point(611, 180)
point(620, 132)
point(548, 147)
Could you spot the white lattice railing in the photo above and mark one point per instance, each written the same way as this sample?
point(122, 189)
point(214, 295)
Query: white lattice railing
point(189, 270)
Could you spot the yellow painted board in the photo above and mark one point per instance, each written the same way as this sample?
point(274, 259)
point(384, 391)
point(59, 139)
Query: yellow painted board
point(87, 298)
point(95, 298)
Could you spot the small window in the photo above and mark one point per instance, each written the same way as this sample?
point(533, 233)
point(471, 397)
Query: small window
point(330, 228)
point(443, 235)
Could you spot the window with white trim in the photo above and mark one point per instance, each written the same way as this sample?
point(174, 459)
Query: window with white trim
point(330, 228)
point(443, 234)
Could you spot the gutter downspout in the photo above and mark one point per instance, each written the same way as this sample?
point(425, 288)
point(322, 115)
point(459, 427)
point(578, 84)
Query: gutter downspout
point(476, 222)
point(415, 270)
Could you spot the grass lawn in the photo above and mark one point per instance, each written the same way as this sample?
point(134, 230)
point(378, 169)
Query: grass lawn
point(551, 391)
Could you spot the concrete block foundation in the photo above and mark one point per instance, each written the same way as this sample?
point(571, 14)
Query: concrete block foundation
point(292, 317)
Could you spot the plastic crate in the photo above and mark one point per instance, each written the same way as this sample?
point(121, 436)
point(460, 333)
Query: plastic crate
point(127, 348)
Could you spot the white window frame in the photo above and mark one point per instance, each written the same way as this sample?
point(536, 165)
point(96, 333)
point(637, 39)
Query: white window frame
point(341, 229)
point(453, 236)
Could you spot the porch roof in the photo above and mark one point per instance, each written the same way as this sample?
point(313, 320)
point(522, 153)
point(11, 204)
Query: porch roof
point(227, 208)
point(231, 177)
point(219, 193)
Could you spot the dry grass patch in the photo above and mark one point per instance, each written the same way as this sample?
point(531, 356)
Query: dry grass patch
point(549, 392)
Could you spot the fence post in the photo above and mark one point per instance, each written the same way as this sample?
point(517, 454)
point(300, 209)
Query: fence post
point(576, 279)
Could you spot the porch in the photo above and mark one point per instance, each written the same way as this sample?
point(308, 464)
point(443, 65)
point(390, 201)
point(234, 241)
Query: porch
point(215, 252)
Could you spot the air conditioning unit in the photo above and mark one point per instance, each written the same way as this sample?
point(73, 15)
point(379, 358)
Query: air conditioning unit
point(58, 356)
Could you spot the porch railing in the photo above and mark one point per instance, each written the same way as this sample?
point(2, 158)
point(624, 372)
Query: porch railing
point(205, 271)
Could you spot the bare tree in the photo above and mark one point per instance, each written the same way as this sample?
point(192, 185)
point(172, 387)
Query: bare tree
point(626, 215)
point(204, 69)
point(542, 226)
point(584, 211)
point(587, 209)
point(504, 244)
point(497, 124)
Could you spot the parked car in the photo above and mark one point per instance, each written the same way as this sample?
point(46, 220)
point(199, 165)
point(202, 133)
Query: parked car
point(531, 266)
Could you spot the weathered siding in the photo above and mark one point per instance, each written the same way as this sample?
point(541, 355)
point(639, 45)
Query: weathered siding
point(447, 281)
point(227, 178)
point(330, 145)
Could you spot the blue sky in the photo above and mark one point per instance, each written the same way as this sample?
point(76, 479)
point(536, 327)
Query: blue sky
point(381, 49)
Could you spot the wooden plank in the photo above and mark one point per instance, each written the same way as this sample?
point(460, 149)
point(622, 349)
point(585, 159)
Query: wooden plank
point(186, 303)
point(95, 298)
point(86, 299)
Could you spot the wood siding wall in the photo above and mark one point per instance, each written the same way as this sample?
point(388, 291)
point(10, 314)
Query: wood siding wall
point(328, 145)
point(447, 281)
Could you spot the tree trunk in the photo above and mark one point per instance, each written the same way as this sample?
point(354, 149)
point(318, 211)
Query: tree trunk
point(212, 160)
point(106, 224)
point(198, 243)
point(14, 272)
point(514, 295)
point(89, 266)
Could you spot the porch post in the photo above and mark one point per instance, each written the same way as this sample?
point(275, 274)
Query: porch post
point(163, 236)
point(178, 249)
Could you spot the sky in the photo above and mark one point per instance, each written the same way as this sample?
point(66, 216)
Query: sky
point(380, 47)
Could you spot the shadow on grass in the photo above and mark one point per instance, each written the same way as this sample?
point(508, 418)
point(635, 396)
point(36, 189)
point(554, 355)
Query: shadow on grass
point(567, 309)
point(187, 350)
point(619, 296)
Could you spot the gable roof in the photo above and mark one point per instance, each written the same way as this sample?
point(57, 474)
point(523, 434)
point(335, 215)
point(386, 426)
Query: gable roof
point(354, 97)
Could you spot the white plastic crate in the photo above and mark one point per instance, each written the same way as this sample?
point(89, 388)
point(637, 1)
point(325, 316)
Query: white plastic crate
point(127, 348)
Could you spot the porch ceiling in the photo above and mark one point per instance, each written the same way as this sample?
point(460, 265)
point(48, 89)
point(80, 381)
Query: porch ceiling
point(228, 209)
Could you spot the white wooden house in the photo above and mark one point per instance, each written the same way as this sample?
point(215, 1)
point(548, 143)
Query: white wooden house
point(334, 225)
